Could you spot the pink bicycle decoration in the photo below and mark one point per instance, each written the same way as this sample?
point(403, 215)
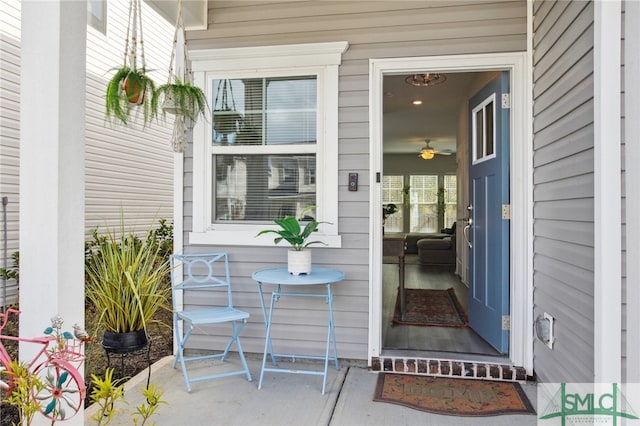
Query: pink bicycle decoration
point(56, 365)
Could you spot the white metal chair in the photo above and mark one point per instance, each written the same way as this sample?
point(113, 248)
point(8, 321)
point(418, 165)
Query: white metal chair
point(205, 280)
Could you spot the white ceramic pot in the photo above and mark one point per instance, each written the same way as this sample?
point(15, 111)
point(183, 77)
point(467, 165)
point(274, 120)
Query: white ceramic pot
point(299, 262)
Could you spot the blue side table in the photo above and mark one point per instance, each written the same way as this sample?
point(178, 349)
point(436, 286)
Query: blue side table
point(280, 277)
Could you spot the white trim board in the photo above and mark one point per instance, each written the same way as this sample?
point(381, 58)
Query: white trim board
point(521, 280)
point(607, 297)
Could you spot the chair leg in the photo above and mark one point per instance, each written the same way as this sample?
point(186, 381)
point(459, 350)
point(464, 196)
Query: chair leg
point(180, 356)
point(241, 353)
point(237, 328)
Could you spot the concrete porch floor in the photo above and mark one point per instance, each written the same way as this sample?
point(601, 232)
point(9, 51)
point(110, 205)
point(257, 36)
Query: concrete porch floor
point(285, 399)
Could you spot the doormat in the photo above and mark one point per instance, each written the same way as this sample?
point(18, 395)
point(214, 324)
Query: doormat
point(451, 396)
point(431, 308)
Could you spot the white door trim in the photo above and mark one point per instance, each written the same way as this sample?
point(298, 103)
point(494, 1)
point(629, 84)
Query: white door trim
point(521, 271)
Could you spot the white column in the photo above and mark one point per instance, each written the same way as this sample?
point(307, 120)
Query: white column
point(607, 193)
point(632, 186)
point(52, 135)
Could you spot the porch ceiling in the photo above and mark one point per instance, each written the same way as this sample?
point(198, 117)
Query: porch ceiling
point(194, 12)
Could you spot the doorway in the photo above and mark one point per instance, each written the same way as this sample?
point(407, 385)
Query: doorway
point(424, 194)
point(455, 67)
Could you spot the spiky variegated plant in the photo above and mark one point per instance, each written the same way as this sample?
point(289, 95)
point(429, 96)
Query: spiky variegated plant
point(126, 280)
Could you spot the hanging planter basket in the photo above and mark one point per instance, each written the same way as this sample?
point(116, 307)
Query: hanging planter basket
point(131, 89)
point(178, 97)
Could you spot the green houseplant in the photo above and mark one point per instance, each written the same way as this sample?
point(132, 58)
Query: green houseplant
point(127, 282)
point(178, 96)
point(181, 98)
point(130, 86)
point(291, 231)
point(127, 89)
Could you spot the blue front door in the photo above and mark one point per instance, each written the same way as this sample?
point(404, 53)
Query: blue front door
point(488, 228)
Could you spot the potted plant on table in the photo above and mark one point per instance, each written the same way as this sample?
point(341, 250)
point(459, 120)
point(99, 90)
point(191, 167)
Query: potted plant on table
point(298, 259)
point(127, 282)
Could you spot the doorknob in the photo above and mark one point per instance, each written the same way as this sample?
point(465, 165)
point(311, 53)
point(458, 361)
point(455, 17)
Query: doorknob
point(467, 228)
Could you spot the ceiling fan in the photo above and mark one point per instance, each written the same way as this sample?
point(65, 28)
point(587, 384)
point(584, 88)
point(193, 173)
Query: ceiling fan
point(428, 152)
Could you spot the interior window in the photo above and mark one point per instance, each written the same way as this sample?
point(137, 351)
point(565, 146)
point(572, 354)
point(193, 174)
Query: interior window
point(392, 193)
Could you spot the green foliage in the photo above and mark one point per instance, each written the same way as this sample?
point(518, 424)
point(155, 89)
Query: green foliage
point(153, 398)
point(12, 272)
point(105, 394)
point(292, 232)
point(183, 99)
point(128, 88)
point(25, 385)
point(109, 392)
point(127, 278)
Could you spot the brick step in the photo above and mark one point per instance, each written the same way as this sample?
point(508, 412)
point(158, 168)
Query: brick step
point(449, 368)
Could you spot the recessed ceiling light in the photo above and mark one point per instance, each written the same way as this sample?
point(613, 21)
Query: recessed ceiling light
point(416, 102)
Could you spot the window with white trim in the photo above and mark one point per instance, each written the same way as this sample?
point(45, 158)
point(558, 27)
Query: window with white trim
point(270, 147)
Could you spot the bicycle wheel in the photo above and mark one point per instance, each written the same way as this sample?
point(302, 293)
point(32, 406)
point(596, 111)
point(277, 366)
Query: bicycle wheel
point(61, 391)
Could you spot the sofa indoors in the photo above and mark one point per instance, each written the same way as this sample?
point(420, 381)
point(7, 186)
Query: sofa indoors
point(438, 251)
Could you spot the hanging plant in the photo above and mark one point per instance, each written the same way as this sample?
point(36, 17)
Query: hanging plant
point(179, 97)
point(226, 120)
point(130, 88)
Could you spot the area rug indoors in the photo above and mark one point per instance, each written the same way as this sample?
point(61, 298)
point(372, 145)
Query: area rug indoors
point(431, 307)
point(451, 396)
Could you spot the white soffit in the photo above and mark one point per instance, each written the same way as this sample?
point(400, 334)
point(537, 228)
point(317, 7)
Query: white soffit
point(194, 12)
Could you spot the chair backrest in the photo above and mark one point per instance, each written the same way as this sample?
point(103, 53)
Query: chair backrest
point(201, 272)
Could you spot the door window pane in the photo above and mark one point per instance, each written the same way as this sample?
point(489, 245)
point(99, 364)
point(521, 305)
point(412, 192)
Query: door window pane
point(489, 149)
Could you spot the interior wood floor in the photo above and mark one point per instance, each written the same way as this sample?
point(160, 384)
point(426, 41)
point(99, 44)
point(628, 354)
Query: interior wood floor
point(427, 338)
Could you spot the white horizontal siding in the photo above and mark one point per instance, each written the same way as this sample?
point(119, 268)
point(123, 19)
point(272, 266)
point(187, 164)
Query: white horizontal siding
point(373, 29)
point(128, 170)
point(563, 186)
point(9, 137)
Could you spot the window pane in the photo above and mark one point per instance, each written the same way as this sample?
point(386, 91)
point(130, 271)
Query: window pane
point(265, 111)
point(424, 203)
point(489, 129)
point(262, 187)
point(479, 135)
point(392, 194)
point(97, 15)
point(450, 200)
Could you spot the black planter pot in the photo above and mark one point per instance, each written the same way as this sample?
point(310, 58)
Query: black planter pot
point(121, 343)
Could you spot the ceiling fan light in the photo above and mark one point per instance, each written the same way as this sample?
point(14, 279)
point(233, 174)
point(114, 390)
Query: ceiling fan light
point(427, 154)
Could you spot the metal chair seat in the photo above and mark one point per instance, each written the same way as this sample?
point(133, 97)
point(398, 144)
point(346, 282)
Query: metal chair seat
point(213, 316)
